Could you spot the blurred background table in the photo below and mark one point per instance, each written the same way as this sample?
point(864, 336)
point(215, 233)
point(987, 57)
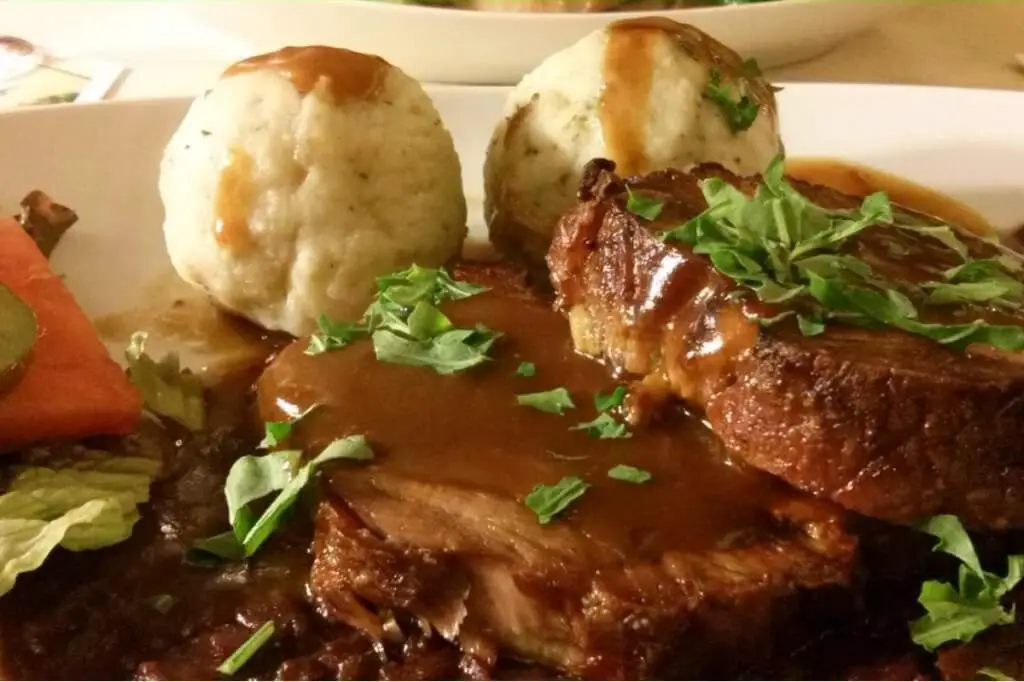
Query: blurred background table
point(938, 42)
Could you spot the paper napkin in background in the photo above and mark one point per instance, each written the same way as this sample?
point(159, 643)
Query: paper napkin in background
point(29, 75)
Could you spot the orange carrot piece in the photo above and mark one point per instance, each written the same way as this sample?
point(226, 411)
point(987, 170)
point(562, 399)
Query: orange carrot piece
point(71, 388)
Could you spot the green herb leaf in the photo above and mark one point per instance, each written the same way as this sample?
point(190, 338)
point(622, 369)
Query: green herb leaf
point(548, 501)
point(995, 674)
point(959, 614)
point(555, 401)
point(167, 389)
point(629, 474)
point(334, 334)
point(642, 205)
point(276, 432)
point(252, 478)
point(608, 402)
point(604, 427)
point(810, 325)
point(426, 321)
point(88, 503)
point(739, 111)
point(526, 369)
point(233, 663)
point(452, 351)
point(214, 549)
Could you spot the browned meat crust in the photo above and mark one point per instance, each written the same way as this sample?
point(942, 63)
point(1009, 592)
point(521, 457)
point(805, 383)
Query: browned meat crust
point(684, 615)
point(886, 424)
point(475, 564)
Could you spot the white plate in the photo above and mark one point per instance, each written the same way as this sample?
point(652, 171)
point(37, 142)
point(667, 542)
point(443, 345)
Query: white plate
point(465, 46)
point(101, 159)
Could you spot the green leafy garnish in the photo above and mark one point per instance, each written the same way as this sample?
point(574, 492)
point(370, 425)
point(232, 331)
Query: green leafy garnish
point(548, 501)
point(89, 503)
point(609, 402)
point(333, 334)
point(276, 432)
point(647, 207)
point(995, 674)
point(233, 663)
point(604, 426)
point(739, 110)
point(788, 250)
point(555, 401)
point(975, 604)
point(629, 474)
point(253, 478)
point(408, 328)
point(167, 389)
point(526, 369)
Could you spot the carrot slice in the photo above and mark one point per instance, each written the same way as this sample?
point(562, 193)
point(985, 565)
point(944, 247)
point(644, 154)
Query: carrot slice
point(71, 388)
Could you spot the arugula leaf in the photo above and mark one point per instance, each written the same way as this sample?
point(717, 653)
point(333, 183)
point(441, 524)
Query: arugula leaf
point(167, 389)
point(739, 113)
point(526, 369)
point(604, 427)
point(960, 613)
point(555, 401)
point(629, 474)
point(253, 478)
point(994, 674)
point(233, 663)
point(276, 432)
point(548, 501)
point(609, 402)
point(643, 205)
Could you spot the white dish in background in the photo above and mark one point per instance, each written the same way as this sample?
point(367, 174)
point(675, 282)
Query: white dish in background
point(102, 160)
point(475, 47)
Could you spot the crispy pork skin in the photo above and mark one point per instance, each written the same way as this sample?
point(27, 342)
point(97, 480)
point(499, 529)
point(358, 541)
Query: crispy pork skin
point(884, 423)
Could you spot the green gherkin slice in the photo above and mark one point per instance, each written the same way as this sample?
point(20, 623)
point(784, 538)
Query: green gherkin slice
point(18, 331)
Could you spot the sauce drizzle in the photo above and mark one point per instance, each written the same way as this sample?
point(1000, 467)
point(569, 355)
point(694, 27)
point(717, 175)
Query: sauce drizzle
point(233, 201)
point(349, 75)
point(625, 100)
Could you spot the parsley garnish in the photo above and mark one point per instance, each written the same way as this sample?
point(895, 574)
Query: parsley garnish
point(603, 427)
point(975, 604)
point(276, 432)
point(995, 674)
point(789, 250)
point(603, 403)
point(629, 474)
point(407, 327)
point(233, 663)
point(526, 369)
point(548, 501)
point(253, 478)
point(739, 111)
point(161, 603)
point(555, 401)
point(642, 205)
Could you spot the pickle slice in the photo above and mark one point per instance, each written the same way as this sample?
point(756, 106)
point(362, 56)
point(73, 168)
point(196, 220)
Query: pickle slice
point(17, 336)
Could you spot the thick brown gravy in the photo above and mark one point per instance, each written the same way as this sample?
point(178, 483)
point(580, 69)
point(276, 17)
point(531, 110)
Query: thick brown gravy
point(233, 201)
point(625, 100)
point(860, 181)
point(467, 431)
point(349, 75)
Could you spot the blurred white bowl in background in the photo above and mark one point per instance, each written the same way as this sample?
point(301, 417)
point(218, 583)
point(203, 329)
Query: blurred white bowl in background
point(447, 45)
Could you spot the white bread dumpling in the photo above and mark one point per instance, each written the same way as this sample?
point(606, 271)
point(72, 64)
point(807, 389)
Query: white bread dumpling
point(303, 175)
point(635, 92)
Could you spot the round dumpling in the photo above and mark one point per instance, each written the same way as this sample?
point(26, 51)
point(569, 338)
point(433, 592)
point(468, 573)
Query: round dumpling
point(300, 177)
point(648, 94)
